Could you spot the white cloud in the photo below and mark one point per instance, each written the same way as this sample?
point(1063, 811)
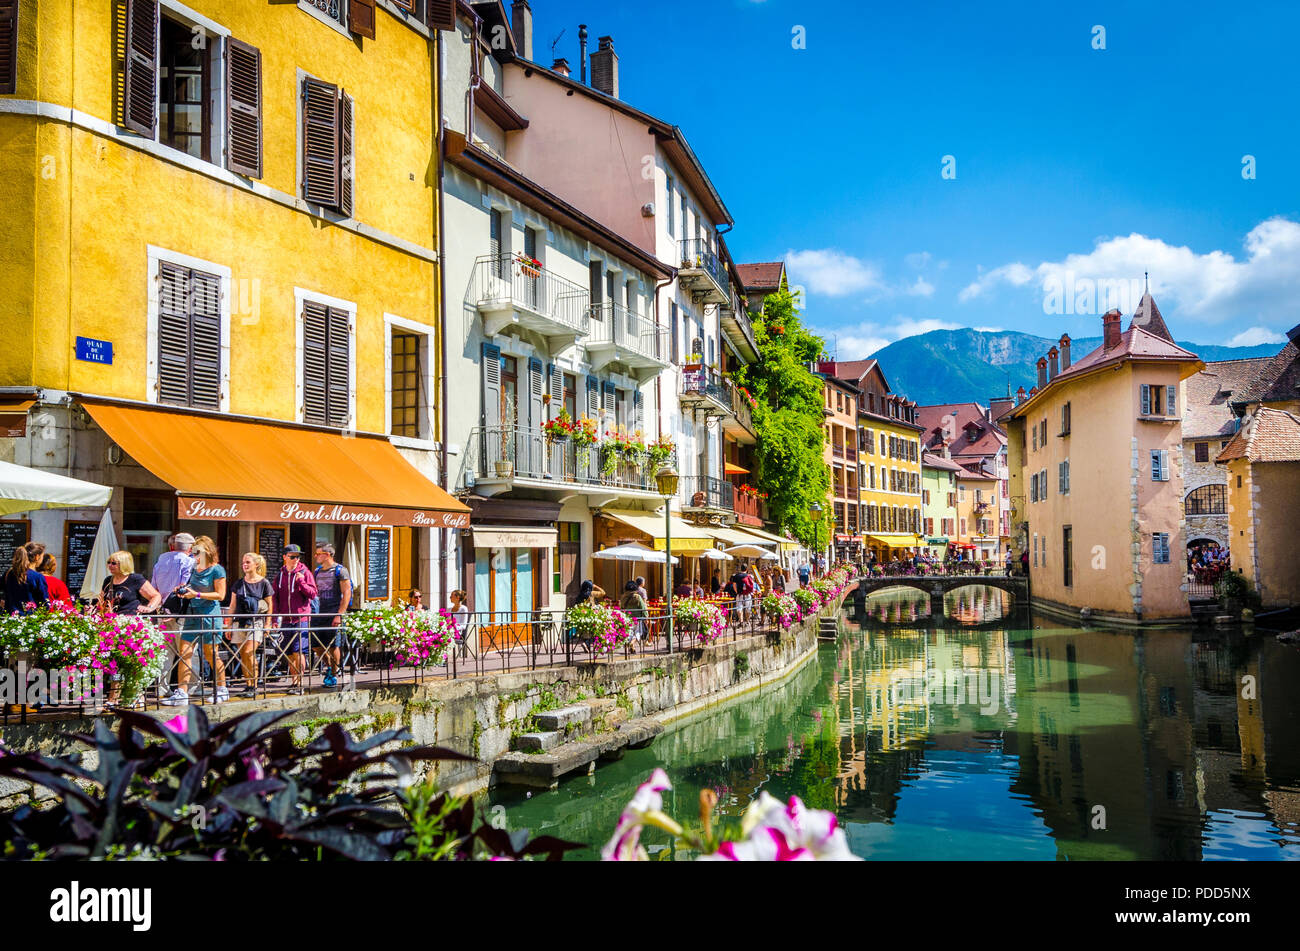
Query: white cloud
point(989, 330)
point(860, 341)
point(1256, 336)
point(917, 260)
point(833, 273)
point(922, 288)
point(1209, 288)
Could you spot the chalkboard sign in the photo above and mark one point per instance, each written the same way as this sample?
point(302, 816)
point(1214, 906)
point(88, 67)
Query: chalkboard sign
point(78, 541)
point(378, 546)
point(13, 534)
point(271, 540)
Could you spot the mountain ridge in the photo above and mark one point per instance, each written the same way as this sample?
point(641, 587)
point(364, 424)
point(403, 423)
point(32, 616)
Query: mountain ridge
point(980, 364)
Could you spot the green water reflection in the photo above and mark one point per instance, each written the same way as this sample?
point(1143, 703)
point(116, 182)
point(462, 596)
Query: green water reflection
point(993, 735)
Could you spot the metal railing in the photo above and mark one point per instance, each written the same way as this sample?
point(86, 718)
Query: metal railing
point(707, 492)
point(238, 657)
point(520, 452)
point(698, 380)
point(741, 409)
point(510, 280)
point(750, 507)
point(614, 324)
point(698, 256)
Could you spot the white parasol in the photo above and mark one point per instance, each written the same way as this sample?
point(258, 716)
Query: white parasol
point(105, 545)
point(632, 552)
point(752, 551)
point(23, 489)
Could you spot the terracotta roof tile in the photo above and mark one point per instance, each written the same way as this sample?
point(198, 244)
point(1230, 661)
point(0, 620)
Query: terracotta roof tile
point(1147, 316)
point(1208, 396)
point(1270, 436)
point(1278, 380)
point(939, 462)
point(761, 276)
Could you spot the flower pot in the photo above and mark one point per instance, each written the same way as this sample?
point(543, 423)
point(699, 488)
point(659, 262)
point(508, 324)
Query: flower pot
point(504, 468)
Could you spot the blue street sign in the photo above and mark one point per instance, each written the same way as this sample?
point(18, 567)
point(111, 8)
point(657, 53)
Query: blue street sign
point(94, 351)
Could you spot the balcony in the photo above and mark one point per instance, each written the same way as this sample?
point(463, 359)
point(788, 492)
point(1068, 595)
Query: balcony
point(703, 273)
point(707, 390)
point(498, 458)
point(705, 493)
point(837, 451)
point(851, 453)
point(736, 325)
point(510, 292)
point(618, 335)
point(740, 424)
point(750, 510)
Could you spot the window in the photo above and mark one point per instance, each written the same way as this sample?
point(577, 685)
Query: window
point(1160, 548)
point(1207, 500)
point(1063, 477)
point(1033, 487)
point(1042, 433)
point(672, 217)
point(1159, 400)
point(1159, 465)
point(325, 361)
point(961, 493)
point(884, 445)
point(204, 100)
point(672, 310)
point(410, 382)
point(1035, 549)
point(871, 442)
point(190, 320)
point(1202, 452)
point(1042, 485)
point(963, 527)
point(1065, 420)
point(1035, 442)
point(925, 496)
point(571, 395)
point(327, 155)
point(1067, 555)
point(8, 47)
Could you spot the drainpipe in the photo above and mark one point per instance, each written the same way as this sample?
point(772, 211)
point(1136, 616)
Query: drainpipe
point(659, 402)
point(444, 541)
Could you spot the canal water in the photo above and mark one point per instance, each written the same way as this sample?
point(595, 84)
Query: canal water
point(993, 734)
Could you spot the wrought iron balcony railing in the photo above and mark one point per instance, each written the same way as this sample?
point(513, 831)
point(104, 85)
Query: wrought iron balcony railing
point(706, 492)
point(613, 325)
point(510, 453)
point(704, 386)
point(509, 288)
point(703, 272)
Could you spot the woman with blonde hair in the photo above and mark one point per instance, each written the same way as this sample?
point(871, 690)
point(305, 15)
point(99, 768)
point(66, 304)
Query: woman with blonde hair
point(249, 610)
point(125, 591)
point(204, 593)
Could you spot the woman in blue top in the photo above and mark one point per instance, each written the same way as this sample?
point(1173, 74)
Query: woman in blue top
point(203, 621)
point(24, 585)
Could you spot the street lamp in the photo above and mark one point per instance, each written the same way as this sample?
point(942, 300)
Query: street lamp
point(666, 481)
point(815, 513)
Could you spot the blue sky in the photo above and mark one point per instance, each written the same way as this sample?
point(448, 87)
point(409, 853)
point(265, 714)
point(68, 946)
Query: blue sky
point(1072, 164)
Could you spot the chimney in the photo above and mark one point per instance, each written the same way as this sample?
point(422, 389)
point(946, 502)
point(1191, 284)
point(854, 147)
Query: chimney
point(1110, 329)
point(998, 406)
point(521, 25)
point(1020, 395)
point(1053, 366)
point(1033, 391)
point(561, 66)
point(1042, 372)
point(1065, 352)
point(582, 45)
point(604, 68)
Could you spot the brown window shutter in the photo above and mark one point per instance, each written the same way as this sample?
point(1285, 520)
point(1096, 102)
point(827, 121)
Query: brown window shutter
point(338, 382)
point(205, 340)
point(320, 142)
point(173, 335)
point(361, 17)
point(346, 163)
point(244, 108)
point(140, 102)
point(8, 47)
point(315, 323)
point(441, 14)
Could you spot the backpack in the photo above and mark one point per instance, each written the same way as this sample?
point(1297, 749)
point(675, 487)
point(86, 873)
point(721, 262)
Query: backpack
point(315, 602)
point(749, 584)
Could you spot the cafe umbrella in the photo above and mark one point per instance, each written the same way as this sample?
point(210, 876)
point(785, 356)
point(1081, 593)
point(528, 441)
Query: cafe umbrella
point(632, 552)
point(751, 551)
point(24, 490)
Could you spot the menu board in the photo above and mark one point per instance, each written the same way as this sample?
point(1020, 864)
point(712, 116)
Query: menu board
point(13, 534)
point(378, 547)
point(78, 542)
point(271, 540)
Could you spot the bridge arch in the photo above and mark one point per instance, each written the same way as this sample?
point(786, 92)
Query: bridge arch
point(936, 586)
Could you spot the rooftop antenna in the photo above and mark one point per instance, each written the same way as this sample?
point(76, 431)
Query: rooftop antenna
point(555, 43)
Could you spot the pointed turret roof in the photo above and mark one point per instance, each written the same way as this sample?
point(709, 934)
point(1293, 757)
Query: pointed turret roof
point(1147, 316)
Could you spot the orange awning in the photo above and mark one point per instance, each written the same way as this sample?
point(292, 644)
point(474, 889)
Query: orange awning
point(16, 406)
point(730, 468)
point(240, 470)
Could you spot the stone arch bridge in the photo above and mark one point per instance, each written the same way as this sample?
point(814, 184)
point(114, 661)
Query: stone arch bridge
point(936, 586)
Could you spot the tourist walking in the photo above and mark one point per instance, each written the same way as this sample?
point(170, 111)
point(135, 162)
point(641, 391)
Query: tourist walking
point(805, 575)
point(633, 604)
point(251, 606)
point(24, 585)
point(204, 594)
point(171, 572)
point(334, 597)
point(295, 589)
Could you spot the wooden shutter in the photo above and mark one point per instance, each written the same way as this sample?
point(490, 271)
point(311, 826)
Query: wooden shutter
point(608, 396)
point(535, 389)
point(491, 385)
point(638, 412)
point(173, 334)
point(1146, 400)
point(338, 367)
point(205, 340)
point(315, 373)
point(243, 108)
point(8, 47)
point(320, 142)
point(593, 397)
point(556, 375)
point(140, 95)
point(361, 18)
point(1171, 401)
point(441, 14)
point(347, 161)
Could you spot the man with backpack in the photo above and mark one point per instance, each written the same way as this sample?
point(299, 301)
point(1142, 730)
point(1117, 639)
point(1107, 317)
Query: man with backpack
point(334, 597)
point(295, 593)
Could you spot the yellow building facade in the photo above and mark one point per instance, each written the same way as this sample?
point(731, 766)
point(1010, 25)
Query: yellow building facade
point(227, 210)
